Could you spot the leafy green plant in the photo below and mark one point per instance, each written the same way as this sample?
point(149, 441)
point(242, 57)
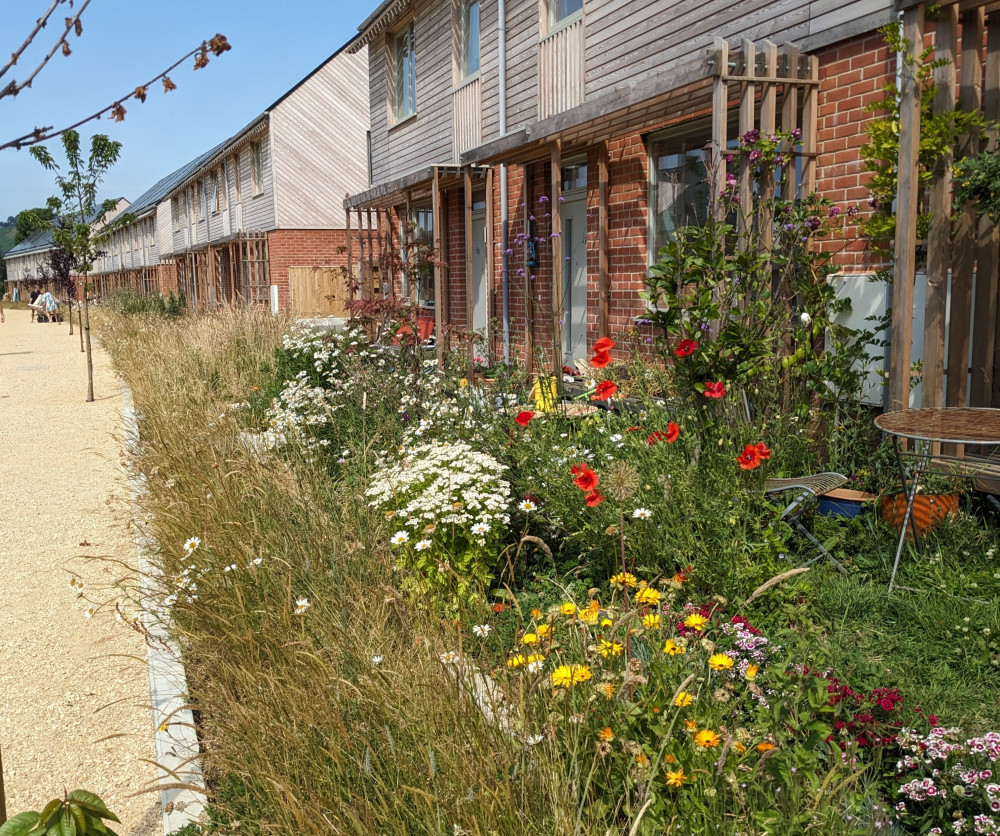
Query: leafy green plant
point(977, 180)
point(77, 813)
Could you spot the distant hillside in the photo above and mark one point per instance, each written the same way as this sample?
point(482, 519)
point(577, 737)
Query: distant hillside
point(6, 238)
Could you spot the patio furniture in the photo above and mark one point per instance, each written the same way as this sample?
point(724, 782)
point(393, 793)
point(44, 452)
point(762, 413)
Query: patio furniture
point(800, 494)
point(928, 429)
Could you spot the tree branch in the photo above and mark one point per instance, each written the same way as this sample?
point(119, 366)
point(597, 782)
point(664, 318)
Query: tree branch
point(14, 87)
point(216, 45)
point(39, 25)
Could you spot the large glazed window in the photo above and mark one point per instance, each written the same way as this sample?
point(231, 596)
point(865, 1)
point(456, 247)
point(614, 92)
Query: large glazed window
point(256, 168)
point(405, 66)
point(469, 39)
point(559, 10)
point(679, 189)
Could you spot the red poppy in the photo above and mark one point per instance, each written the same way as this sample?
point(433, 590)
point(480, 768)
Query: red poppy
point(673, 431)
point(499, 607)
point(587, 480)
point(685, 347)
point(524, 418)
point(595, 497)
point(715, 390)
point(604, 344)
point(605, 389)
point(633, 429)
point(763, 451)
point(749, 459)
point(600, 359)
point(577, 469)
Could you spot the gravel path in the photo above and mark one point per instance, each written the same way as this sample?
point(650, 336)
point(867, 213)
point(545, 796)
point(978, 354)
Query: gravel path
point(74, 693)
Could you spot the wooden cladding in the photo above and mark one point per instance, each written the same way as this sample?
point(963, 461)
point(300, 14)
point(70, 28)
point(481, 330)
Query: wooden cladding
point(468, 109)
point(318, 291)
point(561, 70)
point(233, 273)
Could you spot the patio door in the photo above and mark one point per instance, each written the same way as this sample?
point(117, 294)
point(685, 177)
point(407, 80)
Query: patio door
point(574, 280)
point(480, 292)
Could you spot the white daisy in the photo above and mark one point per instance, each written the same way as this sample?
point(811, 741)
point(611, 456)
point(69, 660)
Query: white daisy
point(256, 561)
point(534, 739)
point(88, 613)
point(377, 660)
point(527, 506)
point(400, 537)
point(449, 658)
point(480, 528)
point(422, 545)
point(301, 605)
point(191, 544)
point(536, 665)
point(482, 630)
point(642, 514)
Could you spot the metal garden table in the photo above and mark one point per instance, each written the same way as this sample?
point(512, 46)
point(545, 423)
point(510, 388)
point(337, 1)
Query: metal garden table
point(927, 427)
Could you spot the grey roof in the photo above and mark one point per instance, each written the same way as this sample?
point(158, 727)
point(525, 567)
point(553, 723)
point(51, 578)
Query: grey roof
point(39, 241)
point(149, 199)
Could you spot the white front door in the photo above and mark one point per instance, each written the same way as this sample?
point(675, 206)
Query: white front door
point(574, 284)
point(480, 293)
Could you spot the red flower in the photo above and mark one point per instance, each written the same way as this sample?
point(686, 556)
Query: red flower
point(715, 390)
point(587, 480)
point(933, 720)
point(595, 497)
point(498, 608)
point(670, 436)
point(524, 418)
point(603, 345)
point(749, 459)
point(763, 451)
point(605, 389)
point(633, 429)
point(600, 359)
point(577, 469)
point(685, 347)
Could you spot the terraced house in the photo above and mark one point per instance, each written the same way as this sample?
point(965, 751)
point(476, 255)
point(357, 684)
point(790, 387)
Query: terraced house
point(547, 148)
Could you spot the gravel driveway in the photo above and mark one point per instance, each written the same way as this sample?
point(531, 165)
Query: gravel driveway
point(74, 692)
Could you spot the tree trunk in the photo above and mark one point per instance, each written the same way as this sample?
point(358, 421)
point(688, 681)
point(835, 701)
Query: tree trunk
point(86, 331)
point(69, 307)
point(79, 316)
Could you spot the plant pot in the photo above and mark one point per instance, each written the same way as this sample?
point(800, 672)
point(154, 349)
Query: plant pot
point(843, 502)
point(928, 510)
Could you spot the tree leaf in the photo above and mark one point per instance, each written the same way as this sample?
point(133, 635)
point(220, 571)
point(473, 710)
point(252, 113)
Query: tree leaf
point(50, 808)
point(78, 817)
point(92, 803)
point(67, 826)
point(20, 824)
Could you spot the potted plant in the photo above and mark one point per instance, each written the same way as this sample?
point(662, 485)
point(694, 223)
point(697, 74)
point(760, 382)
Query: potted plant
point(936, 499)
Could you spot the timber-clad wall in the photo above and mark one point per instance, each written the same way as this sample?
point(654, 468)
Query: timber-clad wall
point(319, 144)
point(468, 117)
point(560, 70)
point(624, 42)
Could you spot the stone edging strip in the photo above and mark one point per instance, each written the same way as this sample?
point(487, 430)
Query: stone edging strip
point(175, 738)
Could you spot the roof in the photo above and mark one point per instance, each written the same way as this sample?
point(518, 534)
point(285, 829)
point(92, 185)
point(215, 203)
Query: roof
point(377, 22)
point(148, 200)
point(39, 241)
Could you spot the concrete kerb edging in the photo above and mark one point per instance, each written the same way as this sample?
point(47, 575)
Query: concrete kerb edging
point(175, 738)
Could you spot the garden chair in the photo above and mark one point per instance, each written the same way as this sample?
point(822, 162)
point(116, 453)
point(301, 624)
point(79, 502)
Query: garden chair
point(799, 494)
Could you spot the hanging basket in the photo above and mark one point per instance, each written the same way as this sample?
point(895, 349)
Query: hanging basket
point(928, 510)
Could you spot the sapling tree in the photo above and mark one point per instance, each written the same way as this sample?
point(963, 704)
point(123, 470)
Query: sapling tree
point(78, 812)
point(82, 224)
point(59, 270)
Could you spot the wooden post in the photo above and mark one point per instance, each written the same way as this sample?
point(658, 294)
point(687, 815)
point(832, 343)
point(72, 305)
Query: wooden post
point(362, 278)
point(965, 224)
point(907, 191)
point(768, 120)
point(720, 105)
point(984, 328)
point(490, 256)
point(350, 260)
point(603, 272)
point(371, 252)
point(748, 99)
point(939, 233)
point(529, 302)
point(438, 278)
point(790, 117)
point(558, 272)
point(469, 289)
point(810, 112)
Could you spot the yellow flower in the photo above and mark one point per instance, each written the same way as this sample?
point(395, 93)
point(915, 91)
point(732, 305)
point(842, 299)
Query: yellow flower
point(647, 596)
point(589, 615)
point(607, 690)
point(544, 631)
point(752, 672)
point(607, 648)
point(529, 639)
point(624, 579)
point(766, 746)
point(671, 648)
point(739, 747)
point(696, 621)
point(651, 621)
point(605, 735)
point(568, 608)
point(516, 661)
point(607, 622)
point(562, 676)
point(536, 613)
point(720, 662)
point(707, 739)
point(581, 673)
point(683, 699)
point(676, 779)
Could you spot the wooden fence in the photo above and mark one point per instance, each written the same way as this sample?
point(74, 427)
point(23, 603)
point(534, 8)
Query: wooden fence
point(318, 291)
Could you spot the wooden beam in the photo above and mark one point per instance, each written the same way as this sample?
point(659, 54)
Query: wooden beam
point(438, 277)
point(490, 260)
point(984, 326)
point(720, 106)
point(529, 301)
point(350, 259)
point(362, 280)
point(907, 191)
point(966, 223)
point(558, 273)
point(810, 113)
point(768, 123)
point(748, 99)
point(411, 288)
point(469, 288)
point(603, 273)
point(371, 254)
point(790, 118)
point(939, 233)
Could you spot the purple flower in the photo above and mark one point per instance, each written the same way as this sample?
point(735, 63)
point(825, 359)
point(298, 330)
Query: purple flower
point(755, 155)
point(812, 222)
point(852, 211)
point(797, 133)
point(779, 160)
point(789, 227)
point(543, 199)
point(750, 137)
point(834, 211)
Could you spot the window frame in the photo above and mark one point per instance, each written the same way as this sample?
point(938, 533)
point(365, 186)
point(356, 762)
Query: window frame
point(237, 186)
point(463, 41)
point(257, 168)
point(553, 24)
point(397, 77)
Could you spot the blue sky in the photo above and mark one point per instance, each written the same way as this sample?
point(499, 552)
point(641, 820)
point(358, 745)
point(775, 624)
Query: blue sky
point(127, 42)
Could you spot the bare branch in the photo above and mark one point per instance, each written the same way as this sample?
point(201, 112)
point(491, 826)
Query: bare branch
point(216, 45)
point(39, 25)
point(15, 87)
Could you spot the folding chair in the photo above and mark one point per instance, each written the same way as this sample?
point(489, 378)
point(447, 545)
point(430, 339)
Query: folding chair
point(803, 492)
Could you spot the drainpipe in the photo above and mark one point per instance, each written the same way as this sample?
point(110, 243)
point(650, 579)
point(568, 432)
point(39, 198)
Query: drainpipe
point(504, 204)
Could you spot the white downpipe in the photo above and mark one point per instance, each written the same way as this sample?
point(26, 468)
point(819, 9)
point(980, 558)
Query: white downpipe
point(504, 203)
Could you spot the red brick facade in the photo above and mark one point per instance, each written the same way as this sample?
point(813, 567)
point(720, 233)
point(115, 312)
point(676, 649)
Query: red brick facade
point(303, 248)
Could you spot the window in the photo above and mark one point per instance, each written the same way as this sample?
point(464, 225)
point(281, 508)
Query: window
point(236, 178)
point(256, 168)
point(199, 197)
point(213, 185)
point(223, 199)
point(574, 176)
point(468, 58)
point(559, 10)
point(405, 66)
point(680, 193)
point(368, 146)
point(422, 222)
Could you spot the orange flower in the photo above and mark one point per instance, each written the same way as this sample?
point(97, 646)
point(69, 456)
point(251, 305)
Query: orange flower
point(707, 739)
point(605, 735)
point(676, 779)
point(766, 746)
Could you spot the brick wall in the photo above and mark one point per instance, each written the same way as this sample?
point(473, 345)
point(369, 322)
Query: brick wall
point(167, 276)
point(303, 248)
